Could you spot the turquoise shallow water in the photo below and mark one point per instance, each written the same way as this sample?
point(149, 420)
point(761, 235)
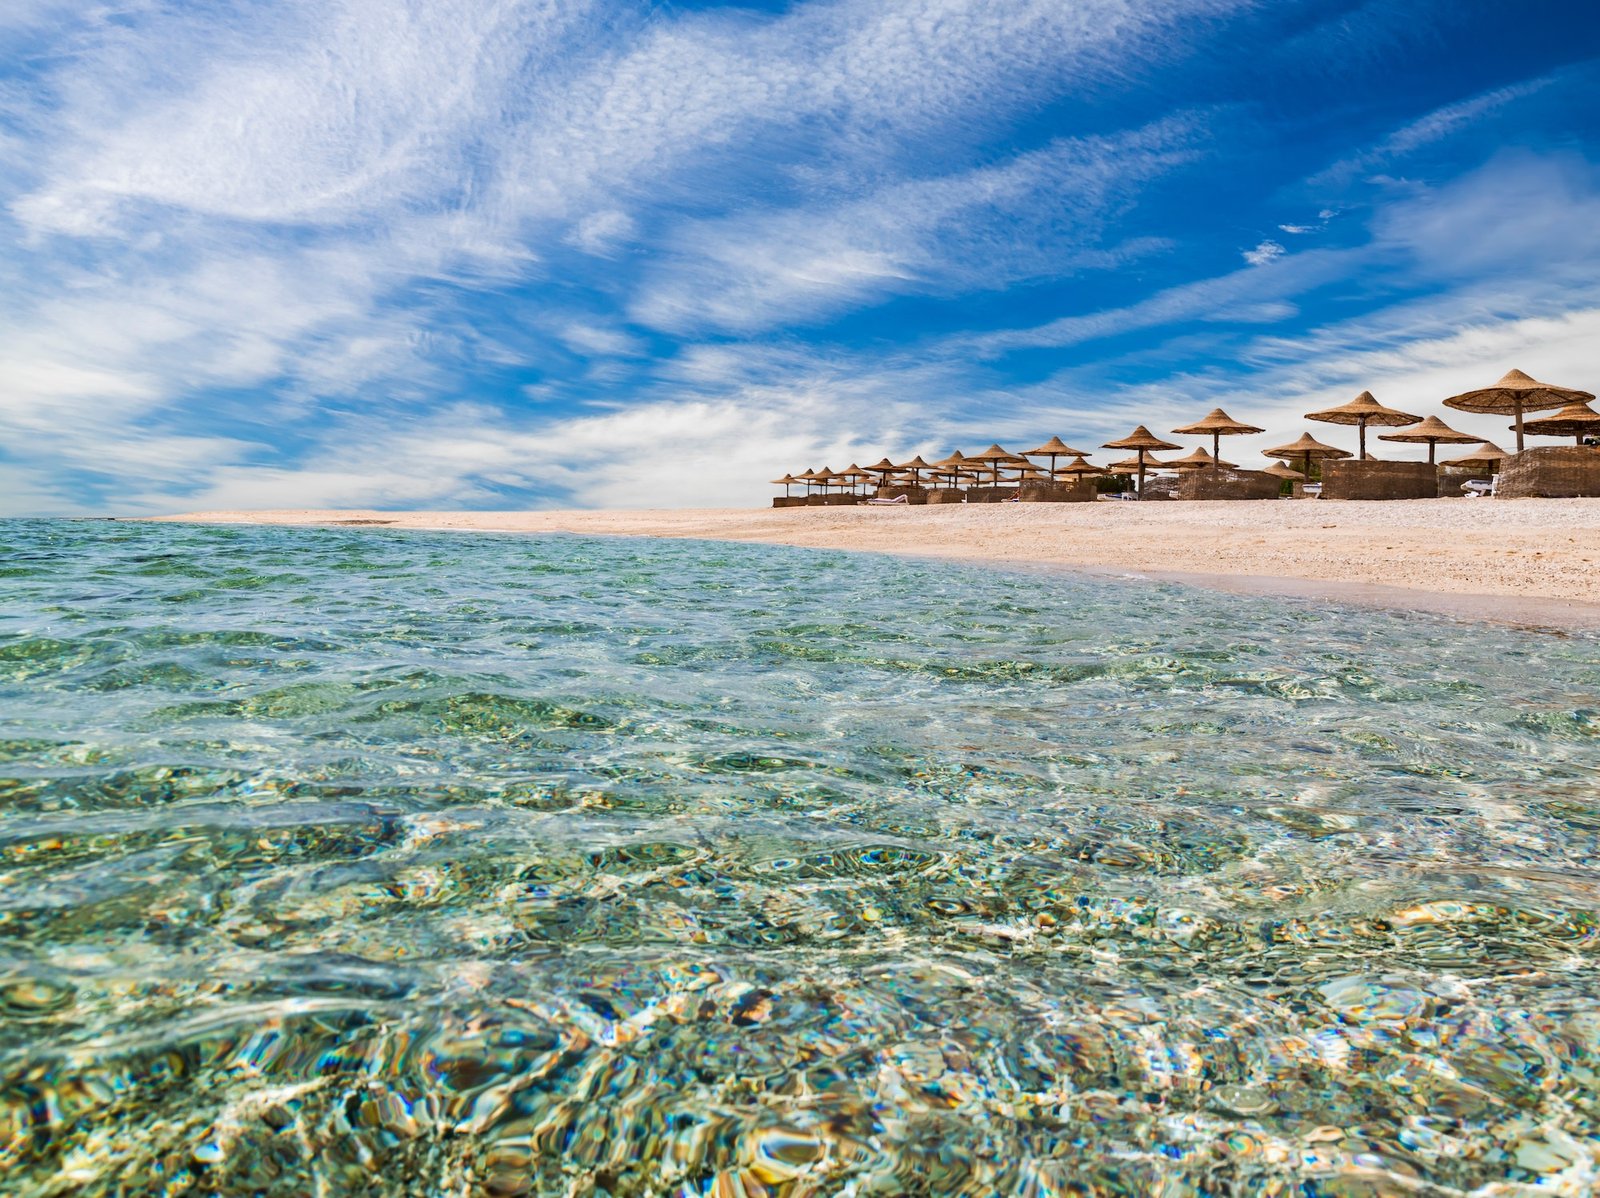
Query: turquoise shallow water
point(340, 861)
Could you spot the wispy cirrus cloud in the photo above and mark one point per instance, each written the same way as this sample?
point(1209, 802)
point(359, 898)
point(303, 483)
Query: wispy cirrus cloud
point(389, 251)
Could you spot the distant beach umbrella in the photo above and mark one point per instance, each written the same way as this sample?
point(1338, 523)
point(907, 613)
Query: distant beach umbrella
point(1576, 420)
point(1362, 411)
point(1141, 440)
point(1078, 468)
point(996, 458)
point(1054, 448)
point(1516, 394)
point(808, 477)
point(1487, 456)
point(787, 481)
point(856, 476)
point(883, 469)
point(1216, 426)
point(916, 466)
point(1279, 470)
point(825, 479)
point(1306, 450)
point(1434, 431)
point(1198, 460)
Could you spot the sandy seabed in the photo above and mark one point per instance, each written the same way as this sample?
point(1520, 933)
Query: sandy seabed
point(1533, 561)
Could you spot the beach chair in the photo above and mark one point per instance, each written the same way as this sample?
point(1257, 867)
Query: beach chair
point(1312, 490)
point(1476, 488)
point(897, 501)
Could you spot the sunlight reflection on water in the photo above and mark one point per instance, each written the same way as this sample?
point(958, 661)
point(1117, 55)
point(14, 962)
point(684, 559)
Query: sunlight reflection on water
point(449, 863)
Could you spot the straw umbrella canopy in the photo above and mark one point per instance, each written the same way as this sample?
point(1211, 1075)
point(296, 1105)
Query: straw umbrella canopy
point(1054, 448)
point(1515, 394)
point(882, 469)
point(1486, 457)
point(1217, 425)
point(1279, 470)
point(787, 481)
point(1141, 440)
point(1576, 420)
point(1080, 468)
point(916, 466)
point(997, 457)
point(1304, 450)
point(1362, 411)
point(825, 478)
point(808, 477)
point(855, 474)
point(1434, 431)
point(1198, 460)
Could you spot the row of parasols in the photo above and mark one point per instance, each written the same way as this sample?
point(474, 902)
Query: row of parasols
point(1514, 395)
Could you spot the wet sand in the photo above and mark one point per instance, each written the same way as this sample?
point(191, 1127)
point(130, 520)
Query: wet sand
point(1532, 561)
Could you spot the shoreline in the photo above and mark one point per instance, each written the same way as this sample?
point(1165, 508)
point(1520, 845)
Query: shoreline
point(1528, 562)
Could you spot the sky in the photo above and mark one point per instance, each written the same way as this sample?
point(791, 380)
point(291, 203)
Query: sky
point(596, 253)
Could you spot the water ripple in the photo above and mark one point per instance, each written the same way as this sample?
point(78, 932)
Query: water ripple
point(373, 862)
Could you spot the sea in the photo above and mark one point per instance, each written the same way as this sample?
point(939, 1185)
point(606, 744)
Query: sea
point(363, 861)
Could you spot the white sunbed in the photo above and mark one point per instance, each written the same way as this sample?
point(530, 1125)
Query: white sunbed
point(876, 501)
point(1476, 488)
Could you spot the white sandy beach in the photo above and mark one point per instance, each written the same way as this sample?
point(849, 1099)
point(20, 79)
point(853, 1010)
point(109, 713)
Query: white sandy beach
point(1530, 560)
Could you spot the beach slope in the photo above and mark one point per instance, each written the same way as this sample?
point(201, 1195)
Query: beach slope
point(1535, 559)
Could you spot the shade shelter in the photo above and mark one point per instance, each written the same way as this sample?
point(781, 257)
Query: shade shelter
point(1434, 432)
point(1054, 448)
point(1487, 456)
point(915, 466)
point(1362, 411)
point(1078, 468)
point(1306, 450)
point(1577, 420)
point(1516, 394)
point(809, 477)
point(787, 481)
point(996, 458)
point(1141, 440)
point(1279, 470)
point(882, 469)
point(855, 474)
point(1198, 460)
point(1217, 425)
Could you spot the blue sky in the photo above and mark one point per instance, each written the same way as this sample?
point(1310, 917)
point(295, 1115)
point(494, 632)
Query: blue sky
point(511, 253)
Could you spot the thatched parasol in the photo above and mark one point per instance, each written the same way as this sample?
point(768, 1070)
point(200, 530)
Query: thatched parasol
point(1362, 411)
point(1305, 449)
point(1198, 460)
point(997, 457)
point(1433, 431)
point(916, 466)
point(1141, 440)
point(855, 474)
point(1217, 425)
point(1487, 456)
point(787, 481)
point(1080, 468)
point(825, 478)
point(808, 477)
point(1515, 394)
point(1054, 448)
point(1576, 420)
point(883, 469)
point(1279, 470)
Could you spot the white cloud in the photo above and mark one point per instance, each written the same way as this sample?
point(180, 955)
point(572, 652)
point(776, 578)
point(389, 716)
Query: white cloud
point(1433, 127)
point(1267, 251)
point(1040, 213)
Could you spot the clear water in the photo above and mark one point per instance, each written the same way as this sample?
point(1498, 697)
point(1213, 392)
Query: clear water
point(349, 861)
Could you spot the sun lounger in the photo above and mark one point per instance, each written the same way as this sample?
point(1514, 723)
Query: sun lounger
point(1476, 488)
point(897, 501)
